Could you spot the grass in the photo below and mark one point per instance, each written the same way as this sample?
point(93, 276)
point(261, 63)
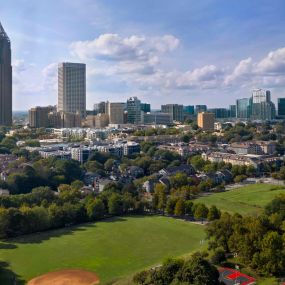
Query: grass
point(248, 200)
point(112, 248)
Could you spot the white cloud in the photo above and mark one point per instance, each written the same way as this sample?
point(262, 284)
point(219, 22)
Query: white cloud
point(273, 63)
point(116, 48)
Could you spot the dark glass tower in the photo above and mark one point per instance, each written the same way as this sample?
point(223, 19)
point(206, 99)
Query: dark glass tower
point(5, 79)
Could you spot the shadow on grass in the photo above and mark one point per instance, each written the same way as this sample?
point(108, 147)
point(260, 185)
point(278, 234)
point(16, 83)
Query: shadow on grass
point(7, 245)
point(56, 233)
point(7, 276)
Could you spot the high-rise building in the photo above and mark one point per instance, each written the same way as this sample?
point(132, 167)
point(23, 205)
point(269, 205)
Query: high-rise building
point(262, 107)
point(115, 112)
point(206, 121)
point(281, 107)
point(220, 113)
point(175, 110)
point(200, 108)
point(38, 116)
point(189, 110)
point(100, 108)
point(157, 118)
point(233, 111)
point(5, 79)
point(134, 110)
point(72, 88)
point(145, 107)
point(243, 108)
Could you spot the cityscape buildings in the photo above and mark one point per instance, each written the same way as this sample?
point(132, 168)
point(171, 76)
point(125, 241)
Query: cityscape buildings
point(134, 111)
point(72, 88)
point(175, 110)
point(243, 108)
point(5, 79)
point(206, 121)
point(115, 112)
point(281, 107)
point(200, 108)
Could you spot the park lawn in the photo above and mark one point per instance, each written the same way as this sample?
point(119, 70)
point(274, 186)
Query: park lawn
point(112, 248)
point(247, 200)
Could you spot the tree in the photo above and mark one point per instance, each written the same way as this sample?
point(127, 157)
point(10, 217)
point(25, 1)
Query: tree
point(189, 208)
point(213, 213)
point(179, 208)
point(115, 204)
point(159, 197)
point(200, 212)
point(109, 164)
point(170, 205)
point(198, 271)
point(95, 209)
point(240, 178)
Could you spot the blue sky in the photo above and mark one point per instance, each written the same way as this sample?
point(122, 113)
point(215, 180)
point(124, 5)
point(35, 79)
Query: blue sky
point(163, 51)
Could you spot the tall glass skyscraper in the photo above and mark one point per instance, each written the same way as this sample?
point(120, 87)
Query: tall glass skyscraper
point(72, 88)
point(134, 110)
point(243, 108)
point(5, 79)
point(281, 107)
point(262, 107)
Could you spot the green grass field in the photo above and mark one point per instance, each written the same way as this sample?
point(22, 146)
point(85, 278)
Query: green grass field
point(112, 248)
point(248, 200)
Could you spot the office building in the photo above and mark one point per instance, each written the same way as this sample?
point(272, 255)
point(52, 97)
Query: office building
point(38, 116)
point(206, 121)
point(220, 113)
point(243, 108)
point(262, 107)
point(200, 108)
point(115, 112)
point(100, 108)
point(189, 110)
point(72, 88)
point(281, 107)
point(157, 118)
point(145, 107)
point(233, 111)
point(5, 79)
point(80, 154)
point(175, 110)
point(134, 110)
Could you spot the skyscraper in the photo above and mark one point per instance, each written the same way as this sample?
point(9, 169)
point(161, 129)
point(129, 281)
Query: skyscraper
point(281, 107)
point(175, 110)
point(5, 79)
point(134, 110)
point(72, 88)
point(243, 108)
point(262, 107)
point(200, 108)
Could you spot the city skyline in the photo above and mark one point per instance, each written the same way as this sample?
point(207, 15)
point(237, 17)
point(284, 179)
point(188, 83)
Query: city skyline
point(184, 52)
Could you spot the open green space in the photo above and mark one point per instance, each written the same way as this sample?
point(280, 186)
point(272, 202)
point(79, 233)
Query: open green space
point(112, 248)
point(247, 200)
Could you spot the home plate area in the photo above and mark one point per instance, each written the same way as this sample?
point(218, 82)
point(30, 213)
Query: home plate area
point(66, 277)
point(233, 277)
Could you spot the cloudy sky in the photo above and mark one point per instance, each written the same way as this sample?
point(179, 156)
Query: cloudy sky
point(163, 51)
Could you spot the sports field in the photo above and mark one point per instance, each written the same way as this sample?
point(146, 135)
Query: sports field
point(112, 248)
point(248, 200)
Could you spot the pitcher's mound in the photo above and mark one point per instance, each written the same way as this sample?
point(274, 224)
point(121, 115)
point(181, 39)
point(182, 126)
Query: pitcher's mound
point(66, 277)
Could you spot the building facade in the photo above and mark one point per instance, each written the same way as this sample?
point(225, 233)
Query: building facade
point(200, 108)
point(145, 107)
point(5, 79)
point(281, 107)
point(175, 110)
point(243, 108)
point(39, 116)
point(262, 107)
point(115, 112)
point(134, 111)
point(206, 121)
point(157, 118)
point(72, 88)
